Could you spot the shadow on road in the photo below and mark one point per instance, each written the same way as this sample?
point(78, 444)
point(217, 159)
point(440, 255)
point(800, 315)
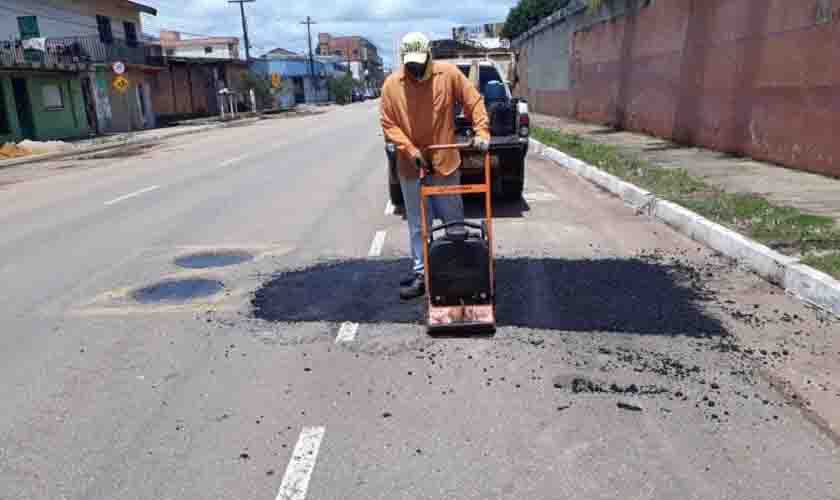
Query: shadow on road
point(626, 296)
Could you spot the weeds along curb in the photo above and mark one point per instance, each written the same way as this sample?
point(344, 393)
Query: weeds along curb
point(801, 281)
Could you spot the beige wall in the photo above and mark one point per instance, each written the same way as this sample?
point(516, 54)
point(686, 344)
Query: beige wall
point(63, 18)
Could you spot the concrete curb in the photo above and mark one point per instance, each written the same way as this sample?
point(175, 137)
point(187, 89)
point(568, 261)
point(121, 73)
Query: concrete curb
point(799, 280)
point(119, 144)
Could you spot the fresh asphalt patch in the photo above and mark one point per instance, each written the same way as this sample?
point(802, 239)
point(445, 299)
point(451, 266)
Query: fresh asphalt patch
point(613, 295)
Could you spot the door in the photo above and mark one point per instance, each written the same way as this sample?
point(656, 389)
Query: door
point(90, 104)
point(24, 108)
point(141, 103)
point(300, 93)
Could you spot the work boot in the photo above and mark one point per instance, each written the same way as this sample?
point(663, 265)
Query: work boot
point(417, 288)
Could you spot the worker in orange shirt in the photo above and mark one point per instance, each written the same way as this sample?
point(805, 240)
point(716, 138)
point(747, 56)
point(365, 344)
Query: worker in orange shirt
point(418, 111)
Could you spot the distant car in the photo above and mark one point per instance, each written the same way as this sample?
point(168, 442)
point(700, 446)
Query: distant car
point(370, 94)
point(357, 95)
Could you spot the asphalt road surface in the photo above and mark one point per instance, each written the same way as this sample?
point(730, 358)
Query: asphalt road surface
point(217, 317)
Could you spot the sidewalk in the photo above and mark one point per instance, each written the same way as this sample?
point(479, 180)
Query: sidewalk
point(810, 193)
point(96, 144)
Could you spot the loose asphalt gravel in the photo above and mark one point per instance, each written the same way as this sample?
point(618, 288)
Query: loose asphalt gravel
point(629, 362)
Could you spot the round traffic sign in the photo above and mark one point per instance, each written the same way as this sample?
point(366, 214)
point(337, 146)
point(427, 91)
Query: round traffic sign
point(118, 67)
point(121, 83)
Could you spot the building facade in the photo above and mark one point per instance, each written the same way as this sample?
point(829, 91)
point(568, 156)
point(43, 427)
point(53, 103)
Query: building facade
point(305, 84)
point(57, 67)
point(361, 55)
point(174, 44)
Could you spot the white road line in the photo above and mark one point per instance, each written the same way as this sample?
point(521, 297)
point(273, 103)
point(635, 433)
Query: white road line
point(376, 245)
point(132, 195)
point(347, 332)
point(296, 480)
point(390, 208)
point(230, 162)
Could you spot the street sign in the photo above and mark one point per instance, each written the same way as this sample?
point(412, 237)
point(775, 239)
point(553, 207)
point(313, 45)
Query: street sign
point(276, 81)
point(118, 67)
point(121, 84)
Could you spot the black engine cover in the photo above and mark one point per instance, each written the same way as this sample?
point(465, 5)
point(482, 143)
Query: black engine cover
point(459, 271)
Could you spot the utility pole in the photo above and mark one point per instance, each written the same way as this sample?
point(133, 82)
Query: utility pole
point(244, 26)
point(309, 22)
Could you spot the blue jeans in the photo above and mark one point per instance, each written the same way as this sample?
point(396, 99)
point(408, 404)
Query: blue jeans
point(446, 208)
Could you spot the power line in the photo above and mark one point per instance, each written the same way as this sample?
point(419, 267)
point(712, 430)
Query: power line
point(244, 25)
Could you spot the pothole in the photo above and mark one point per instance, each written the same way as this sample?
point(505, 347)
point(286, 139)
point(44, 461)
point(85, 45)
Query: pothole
point(205, 260)
point(177, 291)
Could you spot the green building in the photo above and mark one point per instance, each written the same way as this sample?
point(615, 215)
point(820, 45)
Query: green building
point(41, 105)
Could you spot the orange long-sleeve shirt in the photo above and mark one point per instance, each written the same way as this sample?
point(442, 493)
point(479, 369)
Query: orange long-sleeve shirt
point(416, 115)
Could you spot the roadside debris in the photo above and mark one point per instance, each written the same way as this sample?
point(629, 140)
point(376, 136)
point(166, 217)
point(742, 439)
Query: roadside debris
point(625, 405)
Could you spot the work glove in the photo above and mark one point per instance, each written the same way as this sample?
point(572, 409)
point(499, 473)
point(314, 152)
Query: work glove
point(481, 144)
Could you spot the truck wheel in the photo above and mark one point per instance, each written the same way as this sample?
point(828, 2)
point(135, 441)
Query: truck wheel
point(513, 178)
point(396, 194)
point(512, 189)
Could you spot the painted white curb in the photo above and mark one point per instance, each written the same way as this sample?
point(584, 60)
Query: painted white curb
point(801, 281)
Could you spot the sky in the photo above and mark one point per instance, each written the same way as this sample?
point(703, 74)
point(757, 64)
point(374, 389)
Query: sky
point(276, 23)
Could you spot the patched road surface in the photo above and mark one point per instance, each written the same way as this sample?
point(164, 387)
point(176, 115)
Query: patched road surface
point(218, 317)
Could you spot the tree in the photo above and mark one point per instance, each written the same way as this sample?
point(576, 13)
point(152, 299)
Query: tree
point(341, 88)
point(260, 85)
point(528, 13)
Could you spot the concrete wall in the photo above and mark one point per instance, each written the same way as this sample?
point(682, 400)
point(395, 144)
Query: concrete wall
point(60, 18)
point(126, 113)
point(752, 77)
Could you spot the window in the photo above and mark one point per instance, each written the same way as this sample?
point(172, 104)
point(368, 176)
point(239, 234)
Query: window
point(208, 50)
point(130, 33)
point(486, 74)
point(53, 97)
point(28, 26)
point(103, 23)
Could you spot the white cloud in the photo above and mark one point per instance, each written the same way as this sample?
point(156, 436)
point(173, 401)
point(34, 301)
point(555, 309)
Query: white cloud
point(273, 23)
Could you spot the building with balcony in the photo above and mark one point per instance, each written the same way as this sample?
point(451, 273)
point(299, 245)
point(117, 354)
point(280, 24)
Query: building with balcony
point(174, 44)
point(57, 68)
point(361, 56)
point(195, 71)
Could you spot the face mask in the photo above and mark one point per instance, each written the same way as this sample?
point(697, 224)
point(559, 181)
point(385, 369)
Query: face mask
point(416, 70)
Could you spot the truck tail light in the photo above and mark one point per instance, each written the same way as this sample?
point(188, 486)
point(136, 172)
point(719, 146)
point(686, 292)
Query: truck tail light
point(524, 125)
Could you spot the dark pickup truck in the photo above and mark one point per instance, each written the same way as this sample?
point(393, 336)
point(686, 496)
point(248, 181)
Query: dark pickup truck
point(509, 130)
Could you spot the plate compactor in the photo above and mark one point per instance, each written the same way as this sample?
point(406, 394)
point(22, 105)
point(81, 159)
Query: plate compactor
point(460, 268)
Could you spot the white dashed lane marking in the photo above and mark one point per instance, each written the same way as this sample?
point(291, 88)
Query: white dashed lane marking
point(347, 332)
point(132, 195)
point(299, 471)
point(376, 245)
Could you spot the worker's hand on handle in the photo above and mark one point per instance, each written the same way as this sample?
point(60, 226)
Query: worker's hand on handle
point(423, 166)
point(481, 144)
